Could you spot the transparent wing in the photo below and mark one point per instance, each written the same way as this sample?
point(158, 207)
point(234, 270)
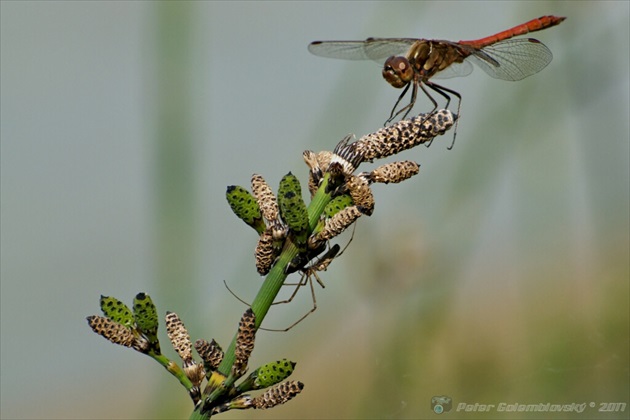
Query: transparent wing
point(455, 70)
point(375, 49)
point(512, 59)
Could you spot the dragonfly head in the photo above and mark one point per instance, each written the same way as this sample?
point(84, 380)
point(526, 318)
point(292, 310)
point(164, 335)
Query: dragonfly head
point(397, 71)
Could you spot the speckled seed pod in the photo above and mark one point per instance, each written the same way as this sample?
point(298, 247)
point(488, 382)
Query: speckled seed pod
point(210, 353)
point(111, 330)
point(346, 155)
point(394, 172)
point(403, 135)
point(335, 225)
point(244, 342)
point(279, 394)
point(178, 334)
point(315, 172)
point(265, 252)
point(361, 194)
point(323, 159)
point(265, 198)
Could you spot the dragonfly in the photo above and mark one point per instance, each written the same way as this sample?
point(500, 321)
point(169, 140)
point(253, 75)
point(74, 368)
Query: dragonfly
point(414, 62)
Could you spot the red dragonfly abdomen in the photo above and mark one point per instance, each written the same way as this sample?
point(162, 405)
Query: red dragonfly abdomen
point(533, 25)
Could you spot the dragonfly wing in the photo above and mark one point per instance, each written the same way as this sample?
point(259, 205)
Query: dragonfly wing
point(512, 59)
point(375, 49)
point(347, 50)
point(455, 70)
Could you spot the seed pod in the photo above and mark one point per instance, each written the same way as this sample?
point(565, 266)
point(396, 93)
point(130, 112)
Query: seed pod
point(265, 198)
point(337, 204)
point(346, 156)
point(403, 135)
point(178, 334)
point(245, 207)
point(145, 313)
point(267, 375)
point(111, 330)
point(117, 311)
point(195, 372)
point(335, 225)
point(292, 208)
point(274, 372)
point(323, 159)
point(361, 194)
point(315, 174)
point(265, 253)
point(210, 353)
point(394, 172)
point(244, 342)
point(279, 394)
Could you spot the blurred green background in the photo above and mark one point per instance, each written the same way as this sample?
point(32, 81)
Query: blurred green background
point(499, 274)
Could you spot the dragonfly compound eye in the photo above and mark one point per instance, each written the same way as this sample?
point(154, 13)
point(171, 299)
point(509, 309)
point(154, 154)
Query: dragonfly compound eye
point(397, 71)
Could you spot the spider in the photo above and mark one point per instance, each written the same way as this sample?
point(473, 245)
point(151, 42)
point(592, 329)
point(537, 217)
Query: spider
point(308, 272)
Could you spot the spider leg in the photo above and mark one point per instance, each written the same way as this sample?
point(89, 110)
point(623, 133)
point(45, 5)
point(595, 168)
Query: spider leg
point(234, 294)
point(308, 273)
point(308, 278)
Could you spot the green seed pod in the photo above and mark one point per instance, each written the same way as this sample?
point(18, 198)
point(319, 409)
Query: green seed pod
point(292, 208)
point(273, 373)
point(267, 375)
point(245, 207)
point(117, 311)
point(145, 313)
point(337, 204)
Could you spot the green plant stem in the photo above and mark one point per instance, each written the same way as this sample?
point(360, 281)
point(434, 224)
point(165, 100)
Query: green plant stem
point(173, 369)
point(272, 284)
point(276, 277)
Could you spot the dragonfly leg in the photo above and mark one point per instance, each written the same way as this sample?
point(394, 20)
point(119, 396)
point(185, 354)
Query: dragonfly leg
point(442, 91)
point(394, 114)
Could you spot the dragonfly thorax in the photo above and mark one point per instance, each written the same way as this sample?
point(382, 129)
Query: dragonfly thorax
point(429, 57)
